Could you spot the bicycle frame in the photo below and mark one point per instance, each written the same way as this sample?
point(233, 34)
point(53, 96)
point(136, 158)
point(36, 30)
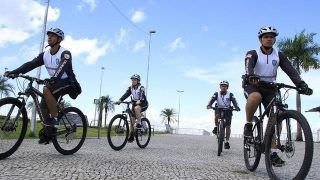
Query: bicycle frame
point(129, 112)
point(274, 108)
point(34, 93)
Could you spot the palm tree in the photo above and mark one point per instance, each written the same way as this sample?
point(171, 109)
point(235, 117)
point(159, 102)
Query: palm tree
point(168, 115)
point(5, 88)
point(105, 103)
point(302, 52)
point(108, 105)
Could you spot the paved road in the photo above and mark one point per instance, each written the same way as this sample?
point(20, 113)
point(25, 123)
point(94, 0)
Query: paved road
point(166, 157)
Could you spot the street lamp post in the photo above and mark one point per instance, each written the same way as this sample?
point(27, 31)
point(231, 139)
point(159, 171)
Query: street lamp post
point(100, 106)
point(179, 92)
point(147, 81)
point(33, 115)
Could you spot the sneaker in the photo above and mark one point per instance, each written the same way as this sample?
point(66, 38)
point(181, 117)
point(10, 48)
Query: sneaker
point(131, 138)
point(276, 160)
point(226, 145)
point(43, 137)
point(248, 130)
point(214, 131)
point(51, 122)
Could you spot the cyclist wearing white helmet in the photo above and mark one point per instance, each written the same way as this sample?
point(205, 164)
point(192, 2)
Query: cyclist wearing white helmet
point(262, 64)
point(140, 102)
point(57, 61)
point(224, 99)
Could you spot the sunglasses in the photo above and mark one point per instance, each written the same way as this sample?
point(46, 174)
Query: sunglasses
point(223, 86)
point(267, 37)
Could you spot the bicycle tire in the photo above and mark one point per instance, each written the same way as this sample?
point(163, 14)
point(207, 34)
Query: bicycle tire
point(254, 144)
point(15, 106)
point(147, 131)
point(78, 127)
point(220, 137)
point(117, 130)
point(307, 155)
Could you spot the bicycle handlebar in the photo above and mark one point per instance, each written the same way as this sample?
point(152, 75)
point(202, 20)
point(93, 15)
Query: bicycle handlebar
point(282, 85)
point(37, 80)
point(231, 108)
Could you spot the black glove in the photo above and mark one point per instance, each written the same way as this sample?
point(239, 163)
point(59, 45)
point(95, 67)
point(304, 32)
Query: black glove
point(52, 80)
point(250, 79)
point(237, 109)
point(9, 74)
point(304, 89)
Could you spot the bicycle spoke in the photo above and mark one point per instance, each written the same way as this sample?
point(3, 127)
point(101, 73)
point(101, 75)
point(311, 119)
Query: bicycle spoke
point(297, 155)
point(71, 132)
point(12, 127)
point(118, 131)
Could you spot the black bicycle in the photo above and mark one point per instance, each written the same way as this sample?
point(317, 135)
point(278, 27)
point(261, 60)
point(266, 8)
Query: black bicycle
point(68, 137)
point(118, 130)
point(279, 137)
point(221, 128)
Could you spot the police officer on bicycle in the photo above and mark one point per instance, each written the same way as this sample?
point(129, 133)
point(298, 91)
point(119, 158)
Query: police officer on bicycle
point(140, 103)
point(262, 64)
point(224, 99)
point(57, 61)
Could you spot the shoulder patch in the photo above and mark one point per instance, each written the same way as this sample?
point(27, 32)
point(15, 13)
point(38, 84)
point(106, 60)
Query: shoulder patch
point(67, 56)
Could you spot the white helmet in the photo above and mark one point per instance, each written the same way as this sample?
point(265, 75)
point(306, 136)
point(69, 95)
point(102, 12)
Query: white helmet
point(224, 83)
point(135, 76)
point(267, 29)
point(57, 32)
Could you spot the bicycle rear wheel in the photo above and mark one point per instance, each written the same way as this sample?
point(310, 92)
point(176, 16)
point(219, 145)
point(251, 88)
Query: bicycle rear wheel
point(13, 126)
point(297, 155)
point(220, 137)
point(251, 147)
point(118, 132)
point(143, 135)
point(71, 132)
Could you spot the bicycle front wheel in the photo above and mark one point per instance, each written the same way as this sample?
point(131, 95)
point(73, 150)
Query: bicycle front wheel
point(13, 126)
point(72, 131)
point(292, 159)
point(220, 137)
point(251, 147)
point(118, 131)
point(143, 134)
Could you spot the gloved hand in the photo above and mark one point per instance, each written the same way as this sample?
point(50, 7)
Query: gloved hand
point(208, 107)
point(253, 79)
point(9, 74)
point(304, 89)
point(51, 80)
point(237, 109)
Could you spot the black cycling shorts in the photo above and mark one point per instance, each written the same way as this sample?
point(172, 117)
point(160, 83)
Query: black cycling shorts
point(227, 116)
point(144, 106)
point(60, 88)
point(266, 93)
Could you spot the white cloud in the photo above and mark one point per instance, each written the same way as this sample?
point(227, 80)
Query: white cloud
point(22, 18)
point(90, 49)
point(202, 74)
point(121, 36)
point(138, 16)
point(139, 45)
point(176, 44)
point(91, 3)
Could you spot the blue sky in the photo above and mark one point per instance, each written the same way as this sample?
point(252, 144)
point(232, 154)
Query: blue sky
point(196, 45)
